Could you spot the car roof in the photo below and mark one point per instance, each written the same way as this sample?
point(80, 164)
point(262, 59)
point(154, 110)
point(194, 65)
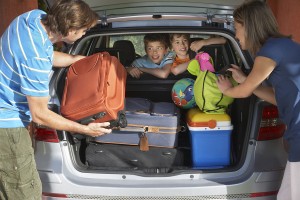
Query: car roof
point(163, 6)
point(115, 10)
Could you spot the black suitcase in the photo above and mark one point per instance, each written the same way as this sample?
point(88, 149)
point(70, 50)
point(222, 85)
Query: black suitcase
point(130, 156)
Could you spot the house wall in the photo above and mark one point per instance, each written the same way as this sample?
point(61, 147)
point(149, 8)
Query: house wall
point(9, 9)
point(287, 13)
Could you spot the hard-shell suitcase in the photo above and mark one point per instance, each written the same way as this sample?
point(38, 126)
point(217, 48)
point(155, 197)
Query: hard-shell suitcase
point(210, 136)
point(125, 156)
point(95, 90)
point(149, 124)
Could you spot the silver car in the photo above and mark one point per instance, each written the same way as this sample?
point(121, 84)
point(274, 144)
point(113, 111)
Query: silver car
point(257, 155)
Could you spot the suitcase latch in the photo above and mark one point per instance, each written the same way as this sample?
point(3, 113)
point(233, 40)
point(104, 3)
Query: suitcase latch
point(152, 129)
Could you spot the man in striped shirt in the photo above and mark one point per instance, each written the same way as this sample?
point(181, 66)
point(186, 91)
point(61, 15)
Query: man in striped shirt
point(26, 60)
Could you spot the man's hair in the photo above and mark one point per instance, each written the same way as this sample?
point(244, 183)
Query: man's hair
point(259, 22)
point(173, 35)
point(67, 15)
point(156, 37)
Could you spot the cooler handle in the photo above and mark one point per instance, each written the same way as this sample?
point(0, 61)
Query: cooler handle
point(210, 124)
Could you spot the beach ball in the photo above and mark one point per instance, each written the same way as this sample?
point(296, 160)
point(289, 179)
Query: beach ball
point(183, 94)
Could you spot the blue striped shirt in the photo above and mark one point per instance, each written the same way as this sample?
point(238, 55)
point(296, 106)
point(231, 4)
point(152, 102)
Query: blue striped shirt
point(26, 58)
point(146, 62)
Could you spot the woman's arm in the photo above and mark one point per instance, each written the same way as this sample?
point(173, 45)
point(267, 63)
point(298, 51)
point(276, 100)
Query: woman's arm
point(61, 59)
point(266, 93)
point(262, 68)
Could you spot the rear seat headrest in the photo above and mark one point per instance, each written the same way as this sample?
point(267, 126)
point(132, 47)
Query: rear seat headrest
point(128, 49)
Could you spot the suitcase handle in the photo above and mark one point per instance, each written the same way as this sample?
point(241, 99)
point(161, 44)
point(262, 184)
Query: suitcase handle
point(90, 119)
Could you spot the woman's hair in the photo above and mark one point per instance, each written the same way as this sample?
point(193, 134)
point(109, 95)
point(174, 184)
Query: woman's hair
point(66, 15)
point(259, 22)
point(157, 37)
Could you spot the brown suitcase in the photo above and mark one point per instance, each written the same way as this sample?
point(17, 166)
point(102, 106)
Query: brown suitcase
point(95, 90)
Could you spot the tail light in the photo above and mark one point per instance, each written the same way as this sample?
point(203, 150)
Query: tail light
point(271, 127)
point(46, 134)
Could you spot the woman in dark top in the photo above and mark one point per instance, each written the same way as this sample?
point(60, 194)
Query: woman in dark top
point(277, 60)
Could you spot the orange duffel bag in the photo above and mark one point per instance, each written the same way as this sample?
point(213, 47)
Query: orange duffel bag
point(95, 90)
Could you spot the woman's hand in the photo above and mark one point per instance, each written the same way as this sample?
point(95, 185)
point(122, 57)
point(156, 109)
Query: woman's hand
point(224, 83)
point(237, 74)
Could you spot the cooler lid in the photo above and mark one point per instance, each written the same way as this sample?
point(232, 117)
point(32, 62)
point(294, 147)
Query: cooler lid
point(196, 118)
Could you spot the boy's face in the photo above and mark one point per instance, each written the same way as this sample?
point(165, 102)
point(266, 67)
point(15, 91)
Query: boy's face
point(156, 51)
point(180, 45)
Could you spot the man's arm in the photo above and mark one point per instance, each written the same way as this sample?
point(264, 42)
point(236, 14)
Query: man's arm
point(61, 59)
point(42, 115)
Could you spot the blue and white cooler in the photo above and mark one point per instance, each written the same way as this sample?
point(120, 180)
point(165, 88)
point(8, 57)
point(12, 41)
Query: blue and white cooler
point(210, 136)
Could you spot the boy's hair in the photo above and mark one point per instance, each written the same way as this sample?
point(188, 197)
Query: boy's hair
point(66, 15)
point(259, 22)
point(156, 37)
point(173, 35)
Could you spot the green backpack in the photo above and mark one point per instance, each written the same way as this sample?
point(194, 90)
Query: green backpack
point(208, 97)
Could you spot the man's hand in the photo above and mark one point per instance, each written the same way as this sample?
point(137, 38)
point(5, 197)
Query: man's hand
point(98, 129)
point(42, 115)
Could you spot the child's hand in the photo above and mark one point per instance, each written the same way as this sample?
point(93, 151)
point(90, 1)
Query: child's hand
point(223, 83)
point(197, 45)
point(134, 72)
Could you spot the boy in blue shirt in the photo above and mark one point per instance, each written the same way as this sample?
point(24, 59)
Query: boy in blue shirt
point(158, 59)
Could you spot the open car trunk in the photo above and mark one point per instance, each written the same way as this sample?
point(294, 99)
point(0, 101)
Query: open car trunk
point(159, 90)
point(130, 21)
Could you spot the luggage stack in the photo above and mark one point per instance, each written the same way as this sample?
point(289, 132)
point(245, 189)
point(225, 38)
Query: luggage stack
point(149, 141)
point(210, 136)
point(145, 133)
